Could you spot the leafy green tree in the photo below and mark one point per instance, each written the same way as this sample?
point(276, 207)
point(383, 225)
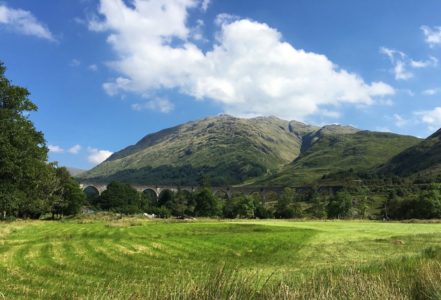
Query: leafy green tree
point(181, 204)
point(261, 211)
point(207, 205)
point(166, 198)
point(69, 198)
point(429, 205)
point(120, 197)
point(284, 209)
point(340, 206)
point(242, 207)
point(25, 184)
point(92, 196)
point(148, 200)
point(318, 207)
point(391, 197)
point(228, 210)
point(364, 206)
point(162, 212)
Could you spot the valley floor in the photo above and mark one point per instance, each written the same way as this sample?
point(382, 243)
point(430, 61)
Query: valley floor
point(205, 259)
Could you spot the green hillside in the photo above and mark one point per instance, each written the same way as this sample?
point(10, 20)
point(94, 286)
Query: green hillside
point(336, 148)
point(423, 159)
point(261, 151)
point(228, 150)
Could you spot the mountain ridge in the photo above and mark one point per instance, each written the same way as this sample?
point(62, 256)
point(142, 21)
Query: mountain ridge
point(423, 159)
point(231, 150)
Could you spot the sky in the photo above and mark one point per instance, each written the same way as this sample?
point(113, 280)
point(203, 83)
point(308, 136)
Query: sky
point(104, 73)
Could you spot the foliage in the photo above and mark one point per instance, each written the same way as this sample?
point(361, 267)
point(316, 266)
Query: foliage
point(285, 208)
point(29, 185)
point(240, 207)
point(207, 205)
point(68, 197)
point(340, 206)
point(318, 207)
point(426, 205)
point(121, 197)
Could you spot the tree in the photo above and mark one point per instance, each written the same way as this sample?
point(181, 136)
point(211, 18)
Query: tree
point(318, 208)
point(165, 198)
point(207, 205)
point(283, 206)
point(240, 207)
point(120, 197)
point(68, 198)
point(430, 204)
point(261, 211)
point(340, 206)
point(25, 175)
point(181, 204)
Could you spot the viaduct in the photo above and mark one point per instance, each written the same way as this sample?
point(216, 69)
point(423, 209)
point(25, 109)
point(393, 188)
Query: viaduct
point(227, 191)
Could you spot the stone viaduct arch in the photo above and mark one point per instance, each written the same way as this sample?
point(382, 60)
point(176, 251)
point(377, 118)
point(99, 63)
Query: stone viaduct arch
point(265, 193)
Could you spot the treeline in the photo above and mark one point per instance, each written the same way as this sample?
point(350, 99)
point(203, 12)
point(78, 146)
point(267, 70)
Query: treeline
point(425, 204)
point(358, 203)
point(29, 186)
point(122, 198)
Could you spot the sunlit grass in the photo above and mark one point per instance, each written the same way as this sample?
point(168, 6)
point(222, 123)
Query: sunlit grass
point(132, 258)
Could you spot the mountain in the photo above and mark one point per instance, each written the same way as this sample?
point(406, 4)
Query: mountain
point(423, 159)
point(75, 171)
point(336, 148)
point(226, 149)
point(264, 150)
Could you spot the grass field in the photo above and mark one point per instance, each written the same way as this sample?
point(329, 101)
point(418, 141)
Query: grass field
point(132, 258)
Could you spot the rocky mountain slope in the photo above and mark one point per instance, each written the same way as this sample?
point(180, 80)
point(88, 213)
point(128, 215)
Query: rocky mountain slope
point(339, 150)
point(423, 159)
point(227, 150)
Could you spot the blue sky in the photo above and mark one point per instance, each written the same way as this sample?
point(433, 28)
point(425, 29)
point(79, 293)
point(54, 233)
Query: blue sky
point(104, 73)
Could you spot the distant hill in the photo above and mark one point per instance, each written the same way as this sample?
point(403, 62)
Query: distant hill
point(265, 150)
point(225, 149)
point(336, 149)
point(75, 171)
point(423, 159)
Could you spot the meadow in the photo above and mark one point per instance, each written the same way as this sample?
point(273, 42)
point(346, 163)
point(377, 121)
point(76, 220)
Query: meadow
point(133, 258)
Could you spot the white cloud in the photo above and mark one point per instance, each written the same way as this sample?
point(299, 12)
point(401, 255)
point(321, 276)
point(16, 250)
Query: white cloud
point(431, 92)
point(55, 149)
point(160, 104)
point(112, 88)
point(432, 35)
point(386, 102)
point(401, 63)
point(75, 63)
point(23, 22)
point(74, 149)
point(250, 69)
point(97, 156)
point(432, 118)
point(205, 4)
point(400, 71)
point(399, 120)
point(420, 64)
point(93, 68)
